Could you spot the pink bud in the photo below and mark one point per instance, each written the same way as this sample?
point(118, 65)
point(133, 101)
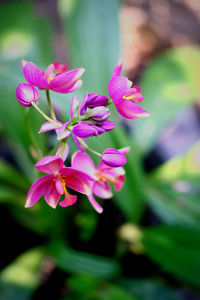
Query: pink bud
point(26, 93)
point(113, 158)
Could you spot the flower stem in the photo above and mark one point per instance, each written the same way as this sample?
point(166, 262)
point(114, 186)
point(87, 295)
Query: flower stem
point(31, 136)
point(44, 115)
point(88, 148)
point(52, 113)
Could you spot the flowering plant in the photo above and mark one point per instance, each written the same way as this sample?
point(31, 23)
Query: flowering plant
point(88, 117)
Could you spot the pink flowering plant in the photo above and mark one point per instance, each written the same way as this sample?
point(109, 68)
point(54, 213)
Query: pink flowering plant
point(87, 117)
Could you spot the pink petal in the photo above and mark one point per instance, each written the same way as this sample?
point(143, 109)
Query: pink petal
point(76, 86)
point(79, 144)
point(47, 126)
point(65, 151)
point(69, 200)
point(82, 161)
point(77, 180)
point(119, 183)
point(95, 204)
point(34, 76)
point(102, 190)
point(83, 130)
point(130, 110)
point(63, 132)
point(51, 195)
point(62, 83)
point(117, 70)
point(117, 88)
point(125, 150)
point(50, 164)
point(59, 67)
point(74, 107)
point(37, 190)
point(59, 186)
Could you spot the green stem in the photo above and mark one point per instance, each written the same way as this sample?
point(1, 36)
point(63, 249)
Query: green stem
point(52, 113)
point(88, 148)
point(31, 136)
point(44, 115)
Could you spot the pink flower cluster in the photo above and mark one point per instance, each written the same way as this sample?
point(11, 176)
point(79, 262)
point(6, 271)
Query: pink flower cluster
point(88, 117)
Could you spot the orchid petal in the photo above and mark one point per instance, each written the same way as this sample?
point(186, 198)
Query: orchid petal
point(83, 162)
point(63, 132)
point(51, 195)
point(117, 70)
point(108, 125)
point(60, 68)
point(119, 183)
point(77, 180)
point(130, 110)
point(63, 82)
point(37, 190)
point(69, 200)
point(26, 93)
point(34, 76)
point(83, 106)
point(47, 126)
point(65, 151)
point(50, 164)
point(113, 158)
point(74, 107)
point(102, 190)
point(78, 143)
point(95, 204)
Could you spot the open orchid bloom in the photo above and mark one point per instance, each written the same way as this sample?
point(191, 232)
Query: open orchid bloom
point(124, 95)
point(55, 78)
point(102, 175)
point(53, 185)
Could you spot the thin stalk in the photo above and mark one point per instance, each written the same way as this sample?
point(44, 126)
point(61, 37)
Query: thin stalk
point(88, 148)
point(52, 113)
point(44, 115)
point(31, 136)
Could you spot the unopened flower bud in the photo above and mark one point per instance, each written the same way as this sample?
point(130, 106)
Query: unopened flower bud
point(100, 113)
point(113, 158)
point(26, 93)
point(95, 100)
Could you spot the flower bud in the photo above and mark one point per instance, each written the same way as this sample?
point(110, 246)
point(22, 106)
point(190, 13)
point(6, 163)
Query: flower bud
point(100, 113)
point(113, 158)
point(95, 100)
point(26, 93)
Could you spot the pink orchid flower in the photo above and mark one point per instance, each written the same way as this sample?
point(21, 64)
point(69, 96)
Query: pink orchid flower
point(53, 185)
point(124, 95)
point(56, 77)
point(102, 175)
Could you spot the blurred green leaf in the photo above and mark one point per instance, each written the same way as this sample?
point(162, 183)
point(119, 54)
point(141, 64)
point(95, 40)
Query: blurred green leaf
point(21, 277)
point(169, 84)
point(85, 263)
point(148, 289)
point(176, 249)
point(115, 292)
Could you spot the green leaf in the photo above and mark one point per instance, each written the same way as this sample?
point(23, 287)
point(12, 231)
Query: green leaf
point(176, 249)
point(21, 277)
point(149, 289)
point(169, 84)
point(85, 263)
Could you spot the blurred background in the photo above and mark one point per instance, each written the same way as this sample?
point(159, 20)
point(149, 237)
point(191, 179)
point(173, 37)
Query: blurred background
point(146, 244)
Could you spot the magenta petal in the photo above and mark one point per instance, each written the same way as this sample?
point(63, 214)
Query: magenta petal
point(117, 88)
point(83, 130)
point(102, 190)
point(60, 68)
point(113, 158)
point(63, 132)
point(50, 164)
point(74, 107)
point(119, 183)
point(130, 110)
point(26, 93)
point(69, 200)
point(62, 83)
point(65, 151)
point(95, 100)
point(34, 76)
point(51, 195)
point(37, 190)
point(77, 180)
point(125, 150)
point(83, 162)
point(83, 106)
point(79, 144)
point(117, 70)
point(108, 125)
point(47, 126)
point(95, 204)
point(76, 86)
